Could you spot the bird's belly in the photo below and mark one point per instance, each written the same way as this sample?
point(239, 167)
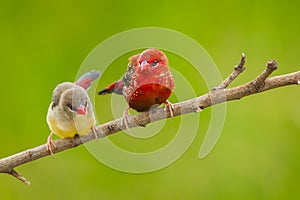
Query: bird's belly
point(68, 128)
point(62, 129)
point(143, 98)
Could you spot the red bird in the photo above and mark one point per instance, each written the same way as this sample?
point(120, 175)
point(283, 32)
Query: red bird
point(147, 82)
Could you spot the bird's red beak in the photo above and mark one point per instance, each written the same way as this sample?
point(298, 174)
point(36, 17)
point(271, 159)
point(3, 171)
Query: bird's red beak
point(81, 110)
point(145, 66)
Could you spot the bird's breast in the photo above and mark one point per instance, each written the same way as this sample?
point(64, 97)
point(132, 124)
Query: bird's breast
point(67, 126)
point(148, 95)
point(146, 90)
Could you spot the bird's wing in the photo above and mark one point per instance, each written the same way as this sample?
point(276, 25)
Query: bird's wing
point(117, 87)
point(131, 69)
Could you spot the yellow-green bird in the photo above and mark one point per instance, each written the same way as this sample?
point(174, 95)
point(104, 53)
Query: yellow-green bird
point(71, 111)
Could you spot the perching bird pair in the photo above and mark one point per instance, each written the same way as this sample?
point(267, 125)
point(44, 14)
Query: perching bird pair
point(147, 82)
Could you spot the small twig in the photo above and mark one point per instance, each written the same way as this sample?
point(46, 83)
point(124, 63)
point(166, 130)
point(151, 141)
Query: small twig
point(260, 84)
point(259, 81)
point(237, 70)
point(19, 176)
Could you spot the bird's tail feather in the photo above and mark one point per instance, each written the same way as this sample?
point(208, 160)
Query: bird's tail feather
point(86, 79)
point(116, 87)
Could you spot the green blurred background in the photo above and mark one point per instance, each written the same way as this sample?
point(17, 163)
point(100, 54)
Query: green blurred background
point(43, 43)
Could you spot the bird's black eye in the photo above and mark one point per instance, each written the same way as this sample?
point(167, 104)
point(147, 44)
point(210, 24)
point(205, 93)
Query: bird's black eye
point(154, 63)
point(70, 106)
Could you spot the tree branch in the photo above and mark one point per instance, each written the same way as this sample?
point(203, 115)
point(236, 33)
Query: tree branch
point(237, 70)
point(217, 95)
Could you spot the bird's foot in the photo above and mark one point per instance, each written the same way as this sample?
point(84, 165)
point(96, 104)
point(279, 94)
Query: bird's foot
point(50, 143)
point(126, 119)
point(170, 107)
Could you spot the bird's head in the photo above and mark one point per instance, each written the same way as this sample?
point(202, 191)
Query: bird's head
point(152, 60)
point(75, 101)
